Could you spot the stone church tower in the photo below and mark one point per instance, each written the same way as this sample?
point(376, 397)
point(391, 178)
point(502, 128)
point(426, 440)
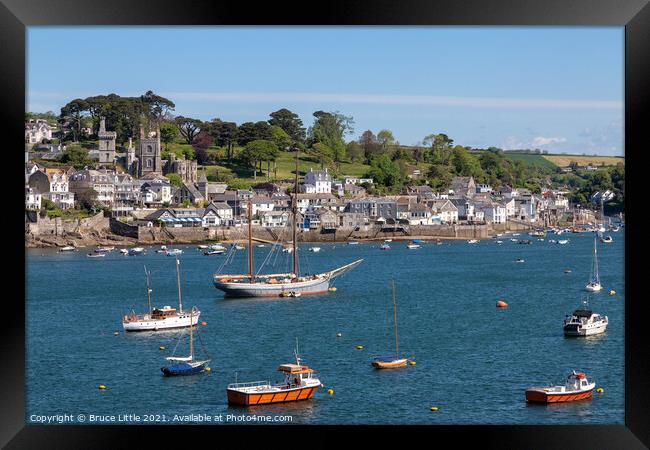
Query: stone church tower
point(106, 144)
point(149, 159)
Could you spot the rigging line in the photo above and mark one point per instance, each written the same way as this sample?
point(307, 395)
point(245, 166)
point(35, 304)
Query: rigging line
point(178, 342)
point(202, 345)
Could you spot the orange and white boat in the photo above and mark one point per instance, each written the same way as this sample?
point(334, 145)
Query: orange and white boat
point(577, 387)
point(299, 384)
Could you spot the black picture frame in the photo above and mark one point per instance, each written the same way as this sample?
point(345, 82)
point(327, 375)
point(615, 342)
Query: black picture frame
point(634, 15)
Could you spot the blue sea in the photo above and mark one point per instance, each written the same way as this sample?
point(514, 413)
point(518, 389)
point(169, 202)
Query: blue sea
point(473, 360)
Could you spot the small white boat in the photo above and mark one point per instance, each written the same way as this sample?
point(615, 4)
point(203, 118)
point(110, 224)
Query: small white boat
point(388, 240)
point(514, 240)
point(583, 322)
point(563, 241)
point(384, 247)
point(239, 247)
point(68, 248)
point(213, 252)
point(499, 242)
point(96, 255)
point(174, 252)
point(314, 249)
point(202, 246)
point(124, 251)
point(135, 250)
point(606, 239)
point(499, 234)
point(520, 260)
point(287, 250)
point(353, 243)
point(104, 249)
point(473, 241)
point(216, 247)
point(516, 234)
point(552, 241)
point(261, 245)
point(594, 279)
point(412, 246)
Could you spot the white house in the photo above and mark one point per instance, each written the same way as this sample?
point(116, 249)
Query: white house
point(317, 182)
point(357, 180)
point(493, 212)
point(274, 219)
point(32, 198)
point(445, 210)
point(217, 214)
point(37, 130)
point(420, 214)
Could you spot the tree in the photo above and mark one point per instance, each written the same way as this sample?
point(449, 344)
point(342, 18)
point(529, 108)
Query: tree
point(188, 127)
point(329, 130)
point(72, 114)
point(201, 142)
point(168, 132)
point(249, 131)
point(76, 157)
point(440, 176)
point(440, 148)
point(386, 140)
point(369, 144)
point(155, 107)
point(289, 122)
point(224, 135)
point(385, 172)
point(354, 151)
point(85, 198)
point(258, 151)
point(281, 138)
point(175, 179)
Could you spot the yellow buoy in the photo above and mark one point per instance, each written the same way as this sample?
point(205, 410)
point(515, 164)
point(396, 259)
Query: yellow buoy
point(600, 390)
point(434, 408)
point(338, 335)
point(162, 347)
point(412, 363)
point(208, 369)
point(359, 347)
point(612, 292)
point(102, 387)
point(332, 289)
point(330, 392)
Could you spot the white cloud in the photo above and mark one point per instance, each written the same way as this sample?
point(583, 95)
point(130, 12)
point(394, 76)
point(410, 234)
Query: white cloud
point(428, 100)
point(541, 141)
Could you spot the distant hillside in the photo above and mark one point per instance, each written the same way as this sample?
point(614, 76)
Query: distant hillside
point(565, 160)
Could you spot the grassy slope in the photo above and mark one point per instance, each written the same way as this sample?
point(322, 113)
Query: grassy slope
point(530, 159)
point(565, 160)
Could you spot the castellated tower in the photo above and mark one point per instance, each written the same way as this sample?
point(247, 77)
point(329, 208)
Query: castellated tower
point(106, 144)
point(149, 159)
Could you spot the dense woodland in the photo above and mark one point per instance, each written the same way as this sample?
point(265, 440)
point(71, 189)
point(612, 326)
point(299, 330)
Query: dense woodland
point(256, 150)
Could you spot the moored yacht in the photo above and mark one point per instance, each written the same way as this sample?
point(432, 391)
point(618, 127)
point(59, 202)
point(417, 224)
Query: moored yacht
point(583, 322)
point(594, 279)
point(161, 318)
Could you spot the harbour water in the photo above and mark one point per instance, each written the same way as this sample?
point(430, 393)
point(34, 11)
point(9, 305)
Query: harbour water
point(474, 361)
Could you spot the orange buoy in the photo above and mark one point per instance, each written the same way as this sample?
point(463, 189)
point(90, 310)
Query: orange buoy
point(204, 323)
point(502, 304)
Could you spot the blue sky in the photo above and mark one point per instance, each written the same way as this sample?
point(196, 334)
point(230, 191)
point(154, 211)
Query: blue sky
point(559, 89)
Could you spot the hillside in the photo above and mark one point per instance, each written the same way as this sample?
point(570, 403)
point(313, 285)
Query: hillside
point(565, 160)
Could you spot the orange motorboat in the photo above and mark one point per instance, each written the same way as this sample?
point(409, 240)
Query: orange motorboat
point(299, 384)
point(577, 387)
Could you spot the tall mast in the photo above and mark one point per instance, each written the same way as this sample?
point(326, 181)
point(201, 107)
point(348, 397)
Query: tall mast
point(250, 240)
point(295, 214)
point(395, 319)
point(146, 274)
point(191, 334)
point(178, 281)
point(597, 278)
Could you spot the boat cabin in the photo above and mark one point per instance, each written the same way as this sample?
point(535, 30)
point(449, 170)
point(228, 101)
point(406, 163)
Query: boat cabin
point(161, 313)
point(294, 373)
point(576, 381)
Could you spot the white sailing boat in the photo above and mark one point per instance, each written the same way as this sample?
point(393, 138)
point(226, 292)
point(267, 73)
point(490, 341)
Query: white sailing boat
point(594, 279)
point(277, 284)
point(185, 365)
point(161, 318)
